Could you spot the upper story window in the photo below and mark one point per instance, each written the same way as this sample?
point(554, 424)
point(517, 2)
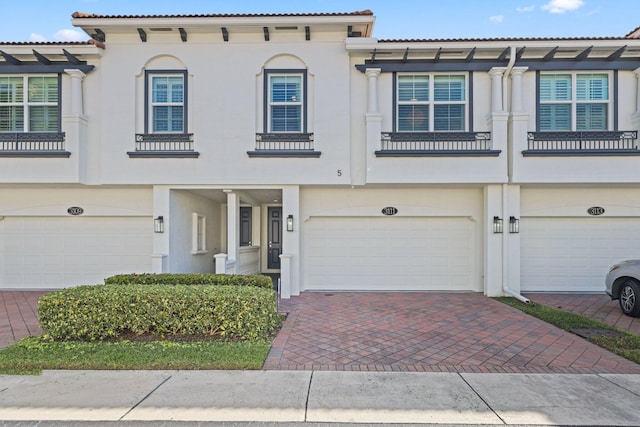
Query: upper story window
point(286, 109)
point(29, 103)
point(574, 102)
point(431, 102)
point(167, 101)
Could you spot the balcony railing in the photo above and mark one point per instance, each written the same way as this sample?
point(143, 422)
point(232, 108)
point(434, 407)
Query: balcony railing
point(582, 143)
point(164, 145)
point(284, 145)
point(33, 144)
point(406, 144)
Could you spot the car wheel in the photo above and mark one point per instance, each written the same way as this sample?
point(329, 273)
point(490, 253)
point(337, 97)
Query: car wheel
point(630, 298)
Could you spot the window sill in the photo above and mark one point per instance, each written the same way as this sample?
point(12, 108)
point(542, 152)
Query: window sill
point(580, 153)
point(199, 252)
point(35, 153)
point(163, 154)
point(438, 153)
point(285, 153)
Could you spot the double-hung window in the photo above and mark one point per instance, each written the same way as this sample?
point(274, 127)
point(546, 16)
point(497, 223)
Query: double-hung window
point(431, 102)
point(574, 102)
point(29, 103)
point(286, 102)
point(167, 103)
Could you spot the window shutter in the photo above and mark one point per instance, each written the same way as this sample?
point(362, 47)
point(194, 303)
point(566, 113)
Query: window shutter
point(413, 88)
point(555, 87)
point(591, 117)
point(449, 88)
point(413, 118)
point(11, 119)
point(555, 117)
point(592, 87)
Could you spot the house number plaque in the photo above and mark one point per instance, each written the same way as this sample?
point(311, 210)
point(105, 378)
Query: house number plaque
point(75, 210)
point(595, 210)
point(389, 211)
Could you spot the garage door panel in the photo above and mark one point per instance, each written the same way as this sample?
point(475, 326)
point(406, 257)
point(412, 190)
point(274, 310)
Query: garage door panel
point(390, 254)
point(60, 252)
point(574, 254)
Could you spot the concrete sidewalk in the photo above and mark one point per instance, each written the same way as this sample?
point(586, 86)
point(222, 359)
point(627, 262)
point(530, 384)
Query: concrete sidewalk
point(301, 397)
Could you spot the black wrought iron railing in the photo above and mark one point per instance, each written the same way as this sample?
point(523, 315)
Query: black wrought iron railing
point(284, 141)
point(32, 142)
point(436, 141)
point(160, 142)
point(594, 141)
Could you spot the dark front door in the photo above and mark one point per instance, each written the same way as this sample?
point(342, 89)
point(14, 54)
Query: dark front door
point(274, 231)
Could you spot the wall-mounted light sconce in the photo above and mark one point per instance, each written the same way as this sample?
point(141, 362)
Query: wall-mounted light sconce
point(290, 223)
point(497, 224)
point(158, 224)
point(514, 225)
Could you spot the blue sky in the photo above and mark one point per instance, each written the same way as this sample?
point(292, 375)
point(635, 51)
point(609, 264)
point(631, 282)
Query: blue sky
point(50, 20)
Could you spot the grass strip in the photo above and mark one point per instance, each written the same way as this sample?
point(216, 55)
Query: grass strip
point(627, 346)
point(32, 355)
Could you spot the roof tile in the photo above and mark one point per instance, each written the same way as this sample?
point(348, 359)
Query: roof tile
point(84, 15)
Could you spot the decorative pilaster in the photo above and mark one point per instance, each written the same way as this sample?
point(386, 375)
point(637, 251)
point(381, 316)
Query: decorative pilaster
point(372, 76)
point(516, 88)
point(77, 107)
point(496, 74)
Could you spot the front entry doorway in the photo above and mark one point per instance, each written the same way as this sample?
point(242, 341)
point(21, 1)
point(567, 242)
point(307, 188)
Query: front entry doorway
point(274, 234)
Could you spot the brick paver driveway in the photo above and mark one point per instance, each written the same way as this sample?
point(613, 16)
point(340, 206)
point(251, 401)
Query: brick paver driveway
point(461, 332)
point(413, 331)
point(596, 306)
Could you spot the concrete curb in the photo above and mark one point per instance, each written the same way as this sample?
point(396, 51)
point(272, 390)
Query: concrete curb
point(308, 397)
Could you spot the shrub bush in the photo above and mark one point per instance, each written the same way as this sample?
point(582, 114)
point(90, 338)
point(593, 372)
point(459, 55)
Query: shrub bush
point(91, 313)
point(191, 279)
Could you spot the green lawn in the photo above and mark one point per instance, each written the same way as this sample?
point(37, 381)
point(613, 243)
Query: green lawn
point(627, 346)
point(31, 355)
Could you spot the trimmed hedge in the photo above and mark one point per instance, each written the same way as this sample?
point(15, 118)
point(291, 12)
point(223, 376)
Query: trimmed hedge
point(92, 313)
point(191, 279)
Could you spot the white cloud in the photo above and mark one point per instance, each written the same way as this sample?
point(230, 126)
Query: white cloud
point(496, 18)
point(68, 35)
point(35, 37)
point(562, 6)
point(525, 9)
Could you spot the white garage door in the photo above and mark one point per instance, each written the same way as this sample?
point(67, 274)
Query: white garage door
point(574, 254)
point(39, 252)
point(390, 254)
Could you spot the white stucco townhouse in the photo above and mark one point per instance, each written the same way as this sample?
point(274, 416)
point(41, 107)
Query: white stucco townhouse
point(300, 144)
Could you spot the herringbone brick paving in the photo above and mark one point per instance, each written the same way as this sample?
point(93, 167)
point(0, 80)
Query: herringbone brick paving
point(461, 332)
point(18, 315)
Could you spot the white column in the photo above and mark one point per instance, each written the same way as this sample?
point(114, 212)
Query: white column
point(372, 76)
point(77, 107)
point(516, 88)
point(285, 276)
point(160, 258)
point(496, 74)
point(493, 241)
point(233, 230)
point(290, 273)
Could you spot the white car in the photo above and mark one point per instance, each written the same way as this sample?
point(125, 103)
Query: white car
point(623, 283)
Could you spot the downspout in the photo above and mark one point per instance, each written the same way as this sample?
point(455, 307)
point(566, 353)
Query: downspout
point(505, 195)
point(505, 81)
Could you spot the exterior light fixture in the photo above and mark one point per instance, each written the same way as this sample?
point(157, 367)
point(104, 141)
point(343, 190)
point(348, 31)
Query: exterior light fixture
point(497, 224)
point(158, 224)
point(290, 223)
point(514, 225)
